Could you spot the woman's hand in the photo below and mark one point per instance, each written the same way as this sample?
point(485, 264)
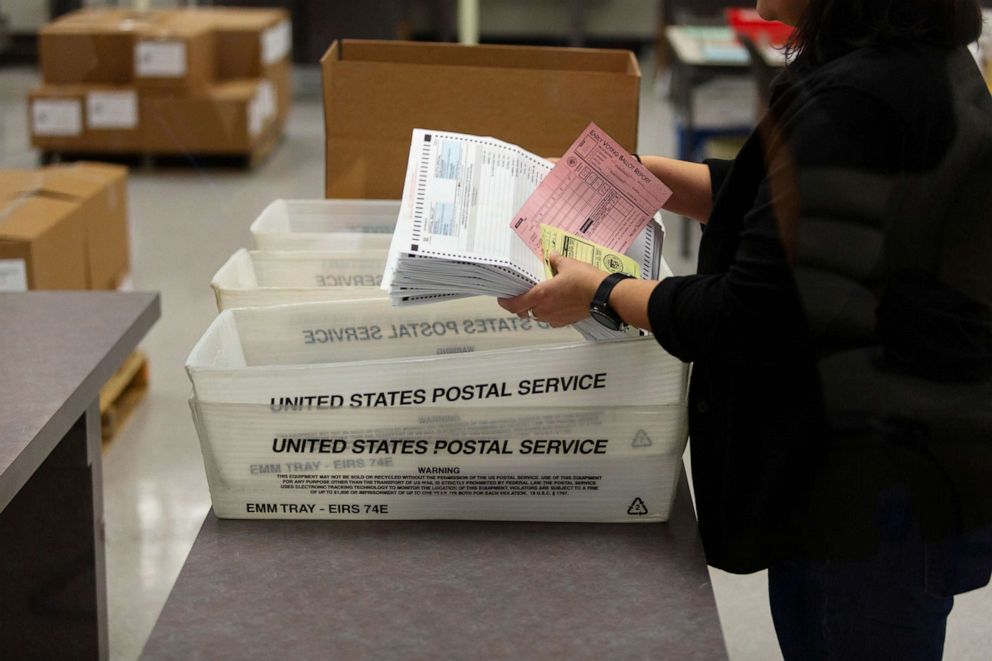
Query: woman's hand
point(562, 300)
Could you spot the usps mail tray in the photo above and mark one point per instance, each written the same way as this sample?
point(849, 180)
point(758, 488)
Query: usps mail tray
point(262, 277)
point(356, 410)
point(325, 224)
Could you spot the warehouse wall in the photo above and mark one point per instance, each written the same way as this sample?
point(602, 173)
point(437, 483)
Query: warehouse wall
point(24, 15)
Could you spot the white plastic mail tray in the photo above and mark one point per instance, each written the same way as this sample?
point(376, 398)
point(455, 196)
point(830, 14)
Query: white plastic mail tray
point(326, 224)
point(263, 278)
point(452, 410)
point(592, 464)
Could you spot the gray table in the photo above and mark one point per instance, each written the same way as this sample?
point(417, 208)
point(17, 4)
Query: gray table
point(442, 590)
point(56, 350)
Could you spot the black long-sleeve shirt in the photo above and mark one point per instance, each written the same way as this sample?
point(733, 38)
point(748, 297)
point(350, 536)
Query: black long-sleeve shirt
point(872, 165)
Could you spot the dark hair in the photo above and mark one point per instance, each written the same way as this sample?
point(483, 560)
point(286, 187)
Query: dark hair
point(829, 28)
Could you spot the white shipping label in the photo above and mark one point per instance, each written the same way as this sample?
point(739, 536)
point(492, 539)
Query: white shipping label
point(13, 275)
point(277, 41)
point(112, 110)
point(256, 114)
point(160, 59)
point(57, 117)
point(267, 94)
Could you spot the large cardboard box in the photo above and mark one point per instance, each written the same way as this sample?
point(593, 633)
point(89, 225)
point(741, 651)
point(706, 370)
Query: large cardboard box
point(254, 43)
point(91, 46)
point(158, 50)
point(41, 244)
point(97, 117)
point(248, 41)
point(229, 118)
point(175, 52)
point(377, 92)
point(100, 190)
point(122, 81)
point(64, 227)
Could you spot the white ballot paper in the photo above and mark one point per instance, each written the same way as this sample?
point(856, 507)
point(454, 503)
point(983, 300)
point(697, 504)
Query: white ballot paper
point(453, 236)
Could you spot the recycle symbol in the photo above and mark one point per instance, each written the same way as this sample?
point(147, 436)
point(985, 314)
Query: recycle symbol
point(637, 508)
point(641, 440)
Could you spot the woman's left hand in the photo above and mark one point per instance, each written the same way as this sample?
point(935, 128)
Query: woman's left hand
point(562, 300)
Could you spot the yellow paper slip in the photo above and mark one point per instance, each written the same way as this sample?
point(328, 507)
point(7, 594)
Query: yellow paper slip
point(570, 245)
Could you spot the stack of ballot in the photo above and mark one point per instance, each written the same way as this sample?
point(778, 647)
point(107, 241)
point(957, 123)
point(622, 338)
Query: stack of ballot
point(474, 208)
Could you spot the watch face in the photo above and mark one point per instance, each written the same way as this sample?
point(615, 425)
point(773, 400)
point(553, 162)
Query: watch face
point(606, 317)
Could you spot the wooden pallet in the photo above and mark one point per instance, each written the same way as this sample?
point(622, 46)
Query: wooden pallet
point(139, 159)
point(121, 394)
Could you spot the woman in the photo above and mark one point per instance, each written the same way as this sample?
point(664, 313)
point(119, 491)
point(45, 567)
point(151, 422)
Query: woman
point(840, 328)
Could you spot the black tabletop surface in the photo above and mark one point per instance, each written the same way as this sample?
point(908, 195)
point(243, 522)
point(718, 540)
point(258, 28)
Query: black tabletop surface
point(267, 589)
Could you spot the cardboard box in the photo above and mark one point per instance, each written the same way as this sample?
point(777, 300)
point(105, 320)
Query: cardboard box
point(158, 50)
point(254, 43)
point(41, 244)
point(229, 118)
point(64, 227)
point(105, 68)
point(248, 41)
point(101, 191)
point(91, 46)
point(175, 53)
point(377, 92)
point(99, 118)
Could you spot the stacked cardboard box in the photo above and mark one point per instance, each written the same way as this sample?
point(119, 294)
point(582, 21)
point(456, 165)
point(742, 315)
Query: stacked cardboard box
point(63, 227)
point(212, 81)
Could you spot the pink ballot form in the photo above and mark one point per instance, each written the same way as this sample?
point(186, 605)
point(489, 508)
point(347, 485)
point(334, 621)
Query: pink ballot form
point(596, 190)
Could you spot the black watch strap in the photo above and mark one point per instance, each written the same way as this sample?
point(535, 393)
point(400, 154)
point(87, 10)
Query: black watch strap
point(600, 309)
point(602, 295)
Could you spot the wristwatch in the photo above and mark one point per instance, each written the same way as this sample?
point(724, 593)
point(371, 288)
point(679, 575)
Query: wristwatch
point(599, 308)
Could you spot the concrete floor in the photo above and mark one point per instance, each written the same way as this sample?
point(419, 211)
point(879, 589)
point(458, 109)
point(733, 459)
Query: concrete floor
point(185, 222)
